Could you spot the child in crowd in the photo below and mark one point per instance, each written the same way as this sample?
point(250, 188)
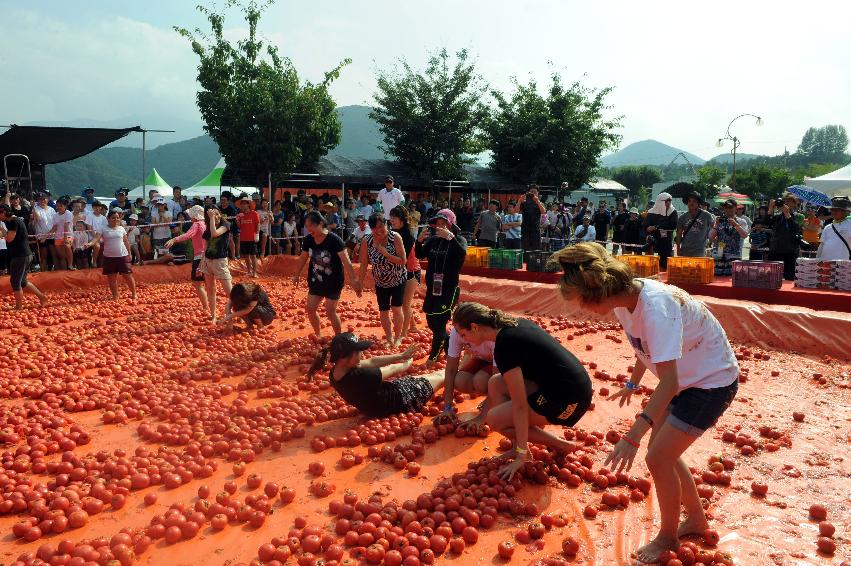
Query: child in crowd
point(249, 302)
point(82, 250)
point(133, 237)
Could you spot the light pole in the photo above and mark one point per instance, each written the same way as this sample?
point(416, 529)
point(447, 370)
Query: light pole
point(736, 142)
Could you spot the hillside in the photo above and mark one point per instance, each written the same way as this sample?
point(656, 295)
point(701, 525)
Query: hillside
point(647, 152)
point(740, 157)
point(186, 162)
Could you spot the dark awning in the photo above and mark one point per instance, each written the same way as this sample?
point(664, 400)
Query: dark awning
point(47, 144)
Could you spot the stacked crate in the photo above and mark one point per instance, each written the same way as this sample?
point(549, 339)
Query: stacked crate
point(537, 262)
point(642, 265)
point(476, 256)
point(815, 273)
point(758, 274)
point(691, 270)
point(505, 259)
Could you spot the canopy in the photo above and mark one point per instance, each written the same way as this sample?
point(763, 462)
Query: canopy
point(211, 185)
point(43, 145)
point(739, 198)
point(835, 183)
point(604, 185)
point(153, 183)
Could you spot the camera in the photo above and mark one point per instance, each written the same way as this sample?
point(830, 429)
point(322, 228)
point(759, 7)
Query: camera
point(778, 203)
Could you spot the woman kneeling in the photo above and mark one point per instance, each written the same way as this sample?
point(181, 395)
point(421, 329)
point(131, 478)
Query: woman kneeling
point(249, 302)
point(540, 382)
point(679, 341)
point(362, 382)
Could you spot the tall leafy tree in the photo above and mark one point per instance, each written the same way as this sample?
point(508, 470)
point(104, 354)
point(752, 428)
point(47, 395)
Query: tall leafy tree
point(432, 120)
point(552, 138)
point(825, 144)
point(764, 181)
point(255, 107)
point(709, 179)
point(634, 177)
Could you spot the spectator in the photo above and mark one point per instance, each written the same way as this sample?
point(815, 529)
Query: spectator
point(512, 225)
point(385, 250)
point(445, 250)
point(89, 199)
point(360, 232)
point(249, 223)
point(531, 209)
point(836, 238)
point(137, 207)
point(266, 217)
point(82, 249)
point(618, 223)
point(601, 220)
point(249, 302)
point(632, 233)
point(785, 233)
point(740, 214)
point(329, 264)
point(811, 231)
point(116, 255)
point(587, 232)
point(277, 227)
point(466, 216)
point(62, 235)
point(291, 242)
point(97, 221)
point(133, 237)
point(729, 232)
point(19, 206)
point(389, 197)
point(121, 201)
point(760, 234)
point(660, 224)
point(582, 209)
point(13, 231)
point(488, 226)
point(365, 209)
point(350, 218)
point(229, 212)
point(329, 209)
point(414, 218)
point(693, 228)
point(173, 203)
point(160, 218)
point(42, 221)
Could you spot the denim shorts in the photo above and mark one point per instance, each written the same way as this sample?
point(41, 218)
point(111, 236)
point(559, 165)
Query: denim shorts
point(694, 410)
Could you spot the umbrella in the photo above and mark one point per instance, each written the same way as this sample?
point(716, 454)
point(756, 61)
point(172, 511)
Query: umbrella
point(809, 195)
point(739, 198)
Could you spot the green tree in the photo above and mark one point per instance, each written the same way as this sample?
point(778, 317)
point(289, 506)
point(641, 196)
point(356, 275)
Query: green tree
point(634, 177)
point(432, 120)
point(709, 180)
point(254, 106)
point(763, 181)
point(554, 138)
point(825, 144)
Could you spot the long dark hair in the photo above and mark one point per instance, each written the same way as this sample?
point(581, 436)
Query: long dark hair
point(318, 362)
point(401, 213)
point(244, 293)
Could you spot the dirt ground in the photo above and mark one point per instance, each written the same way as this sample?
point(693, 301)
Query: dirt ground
point(162, 339)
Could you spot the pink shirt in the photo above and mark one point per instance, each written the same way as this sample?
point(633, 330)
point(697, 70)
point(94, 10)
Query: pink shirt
point(196, 232)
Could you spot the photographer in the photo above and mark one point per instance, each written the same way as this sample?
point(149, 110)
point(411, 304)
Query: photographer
point(760, 234)
point(531, 208)
point(786, 233)
point(730, 231)
point(488, 226)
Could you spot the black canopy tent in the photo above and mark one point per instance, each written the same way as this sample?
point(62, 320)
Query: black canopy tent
point(44, 145)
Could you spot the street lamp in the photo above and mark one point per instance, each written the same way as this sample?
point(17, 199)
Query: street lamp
point(736, 142)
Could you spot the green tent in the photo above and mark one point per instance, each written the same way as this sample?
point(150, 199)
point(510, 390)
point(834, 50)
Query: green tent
point(211, 185)
point(152, 183)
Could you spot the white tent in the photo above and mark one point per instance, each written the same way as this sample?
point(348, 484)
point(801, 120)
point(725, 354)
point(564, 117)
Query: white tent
point(211, 185)
point(835, 183)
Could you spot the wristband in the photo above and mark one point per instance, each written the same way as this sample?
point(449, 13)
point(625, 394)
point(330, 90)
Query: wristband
point(630, 441)
point(631, 386)
point(646, 417)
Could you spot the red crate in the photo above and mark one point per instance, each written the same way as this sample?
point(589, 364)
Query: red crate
point(758, 274)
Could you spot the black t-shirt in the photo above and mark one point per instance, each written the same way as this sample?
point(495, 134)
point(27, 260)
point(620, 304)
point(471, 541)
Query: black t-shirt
point(218, 247)
point(531, 213)
point(619, 222)
point(364, 389)
point(325, 271)
point(19, 246)
point(446, 257)
point(601, 221)
point(231, 211)
point(24, 212)
point(465, 219)
point(543, 360)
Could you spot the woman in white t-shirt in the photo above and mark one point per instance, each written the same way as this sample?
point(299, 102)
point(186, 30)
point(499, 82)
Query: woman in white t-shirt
point(682, 343)
point(290, 242)
point(62, 231)
point(470, 377)
point(116, 254)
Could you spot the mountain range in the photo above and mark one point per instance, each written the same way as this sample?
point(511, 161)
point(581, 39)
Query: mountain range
point(187, 161)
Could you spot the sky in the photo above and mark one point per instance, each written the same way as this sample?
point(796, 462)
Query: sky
point(680, 71)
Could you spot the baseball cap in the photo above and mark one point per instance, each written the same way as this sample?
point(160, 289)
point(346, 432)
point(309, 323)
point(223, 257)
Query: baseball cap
point(360, 218)
point(88, 190)
point(730, 202)
point(117, 209)
point(345, 344)
point(134, 217)
point(388, 178)
point(122, 191)
point(633, 210)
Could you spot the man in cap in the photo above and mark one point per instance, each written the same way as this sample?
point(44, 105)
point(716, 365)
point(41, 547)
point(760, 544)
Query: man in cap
point(836, 238)
point(121, 201)
point(361, 231)
point(693, 227)
point(632, 232)
point(88, 195)
point(390, 197)
point(488, 226)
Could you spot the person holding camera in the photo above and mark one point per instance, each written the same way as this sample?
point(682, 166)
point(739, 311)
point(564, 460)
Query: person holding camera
point(786, 226)
point(488, 226)
point(729, 231)
point(531, 208)
point(760, 234)
point(660, 225)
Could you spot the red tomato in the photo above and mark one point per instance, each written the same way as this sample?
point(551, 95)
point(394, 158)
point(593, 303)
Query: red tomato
point(570, 546)
point(505, 549)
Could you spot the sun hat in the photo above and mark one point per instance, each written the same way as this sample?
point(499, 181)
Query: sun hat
point(633, 210)
point(693, 195)
point(133, 217)
point(195, 212)
point(446, 214)
point(840, 203)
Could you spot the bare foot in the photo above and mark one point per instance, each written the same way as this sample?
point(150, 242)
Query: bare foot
point(650, 552)
point(693, 526)
point(397, 342)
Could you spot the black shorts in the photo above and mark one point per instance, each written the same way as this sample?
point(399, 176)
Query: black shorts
point(418, 275)
point(18, 267)
point(248, 248)
point(114, 265)
point(263, 313)
point(409, 394)
point(195, 275)
point(390, 296)
point(45, 244)
point(560, 408)
point(325, 291)
point(695, 410)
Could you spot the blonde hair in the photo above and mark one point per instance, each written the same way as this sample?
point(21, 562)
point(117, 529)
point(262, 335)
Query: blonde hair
point(591, 273)
point(468, 313)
